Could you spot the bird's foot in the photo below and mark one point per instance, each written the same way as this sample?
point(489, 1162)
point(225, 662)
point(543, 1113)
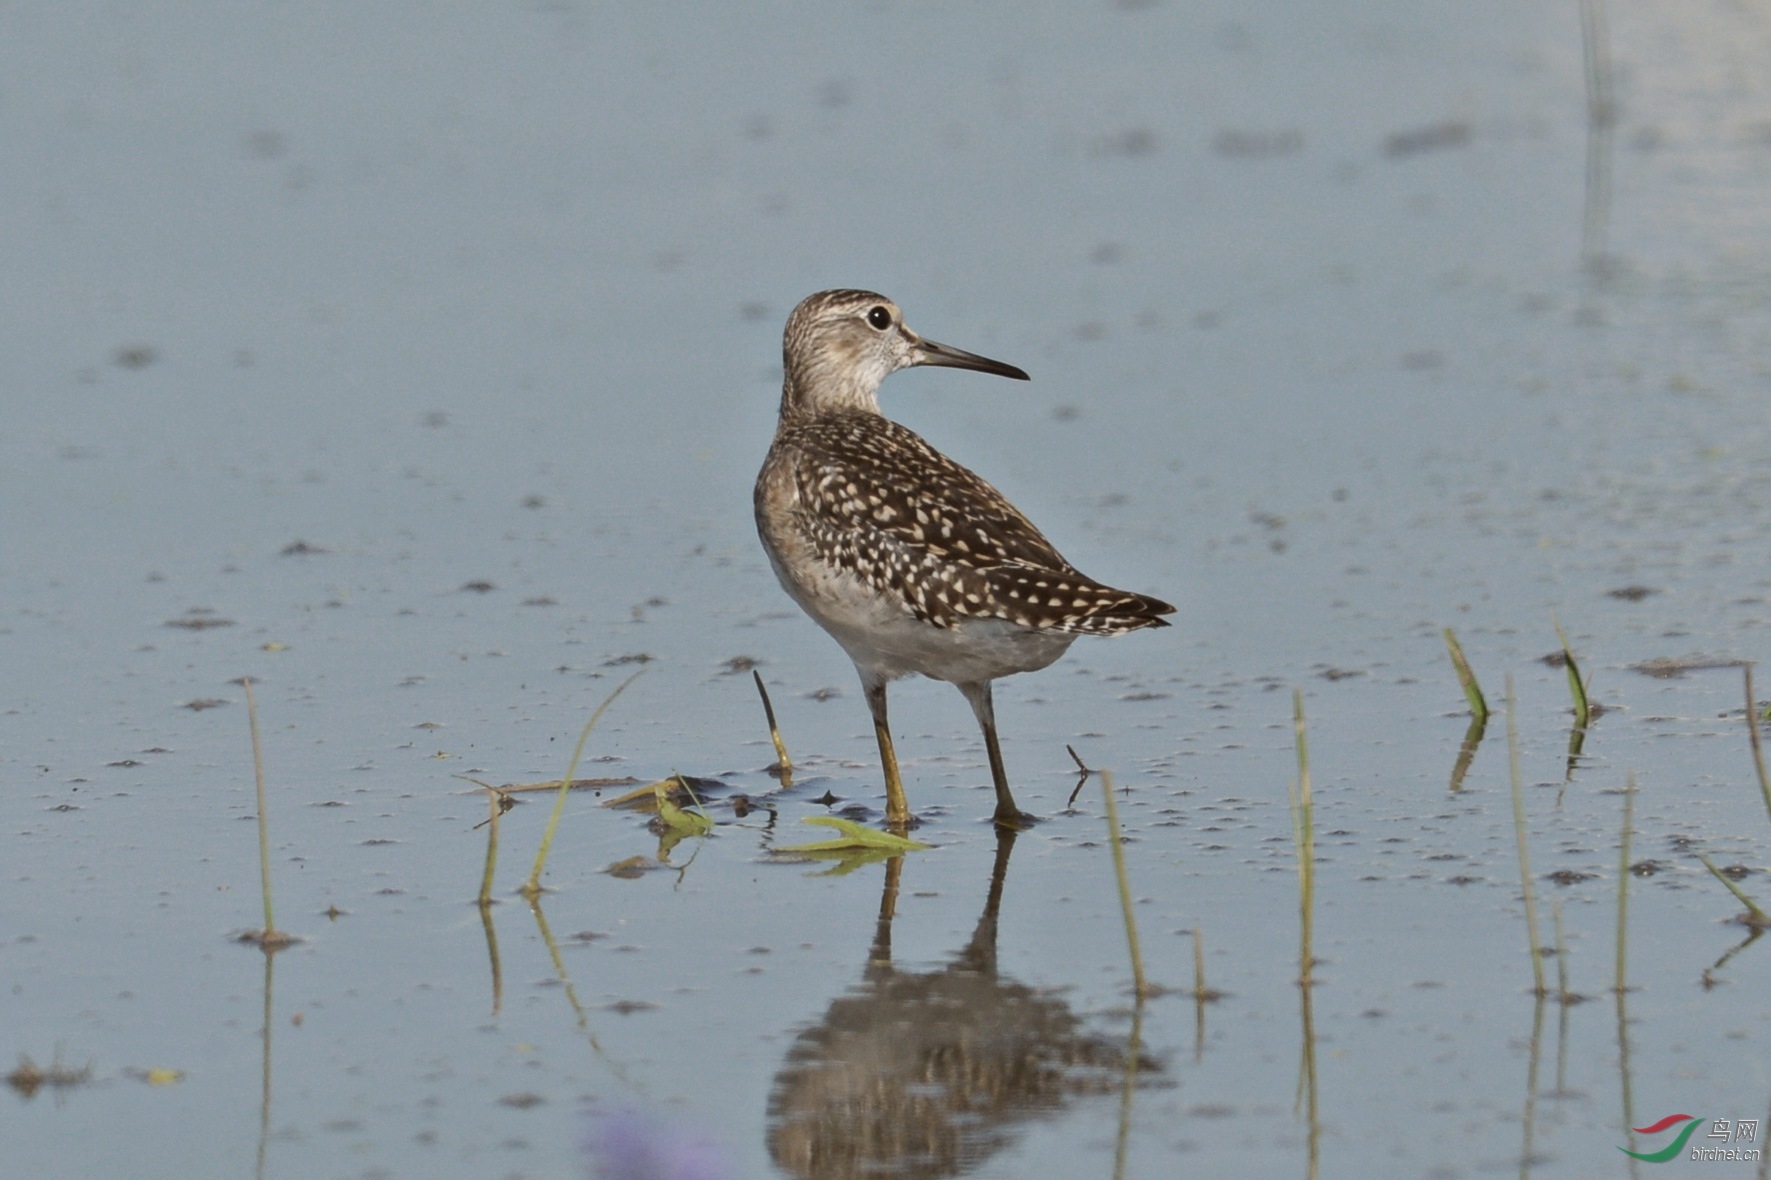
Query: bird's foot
point(1014, 819)
point(899, 824)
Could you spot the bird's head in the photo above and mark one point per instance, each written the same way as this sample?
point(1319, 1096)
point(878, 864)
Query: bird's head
point(840, 345)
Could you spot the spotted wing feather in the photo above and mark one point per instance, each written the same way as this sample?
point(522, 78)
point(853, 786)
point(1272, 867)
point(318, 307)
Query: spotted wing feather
point(880, 502)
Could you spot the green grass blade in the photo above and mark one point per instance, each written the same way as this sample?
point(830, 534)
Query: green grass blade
point(854, 836)
point(1576, 687)
point(532, 886)
point(1467, 678)
point(1755, 915)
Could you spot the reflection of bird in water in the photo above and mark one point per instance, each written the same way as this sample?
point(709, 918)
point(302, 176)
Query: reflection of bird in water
point(928, 1074)
point(910, 561)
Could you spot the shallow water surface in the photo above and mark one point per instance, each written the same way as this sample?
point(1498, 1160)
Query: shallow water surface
point(419, 371)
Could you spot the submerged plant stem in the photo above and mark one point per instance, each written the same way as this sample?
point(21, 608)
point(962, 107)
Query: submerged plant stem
point(1133, 1051)
point(1200, 994)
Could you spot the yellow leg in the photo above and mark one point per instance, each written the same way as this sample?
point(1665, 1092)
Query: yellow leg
point(1007, 814)
point(897, 806)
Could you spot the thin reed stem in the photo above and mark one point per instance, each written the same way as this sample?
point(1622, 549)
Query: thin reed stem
point(1140, 987)
point(1619, 982)
point(532, 886)
point(264, 835)
point(1752, 730)
point(1199, 964)
point(1303, 832)
point(1561, 950)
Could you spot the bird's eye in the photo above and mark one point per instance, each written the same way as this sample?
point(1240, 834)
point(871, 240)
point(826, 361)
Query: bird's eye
point(880, 318)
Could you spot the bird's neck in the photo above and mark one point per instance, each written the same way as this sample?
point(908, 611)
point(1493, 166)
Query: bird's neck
point(809, 396)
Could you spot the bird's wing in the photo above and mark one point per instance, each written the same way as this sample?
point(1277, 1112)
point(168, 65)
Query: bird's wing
point(878, 501)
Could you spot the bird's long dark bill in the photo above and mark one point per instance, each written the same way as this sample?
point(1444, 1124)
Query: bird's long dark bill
point(930, 353)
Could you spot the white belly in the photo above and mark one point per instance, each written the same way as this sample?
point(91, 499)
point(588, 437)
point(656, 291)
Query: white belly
point(887, 641)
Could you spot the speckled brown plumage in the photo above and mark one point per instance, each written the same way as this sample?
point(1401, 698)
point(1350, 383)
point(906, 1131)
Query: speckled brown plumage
point(911, 562)
point(873, 498)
